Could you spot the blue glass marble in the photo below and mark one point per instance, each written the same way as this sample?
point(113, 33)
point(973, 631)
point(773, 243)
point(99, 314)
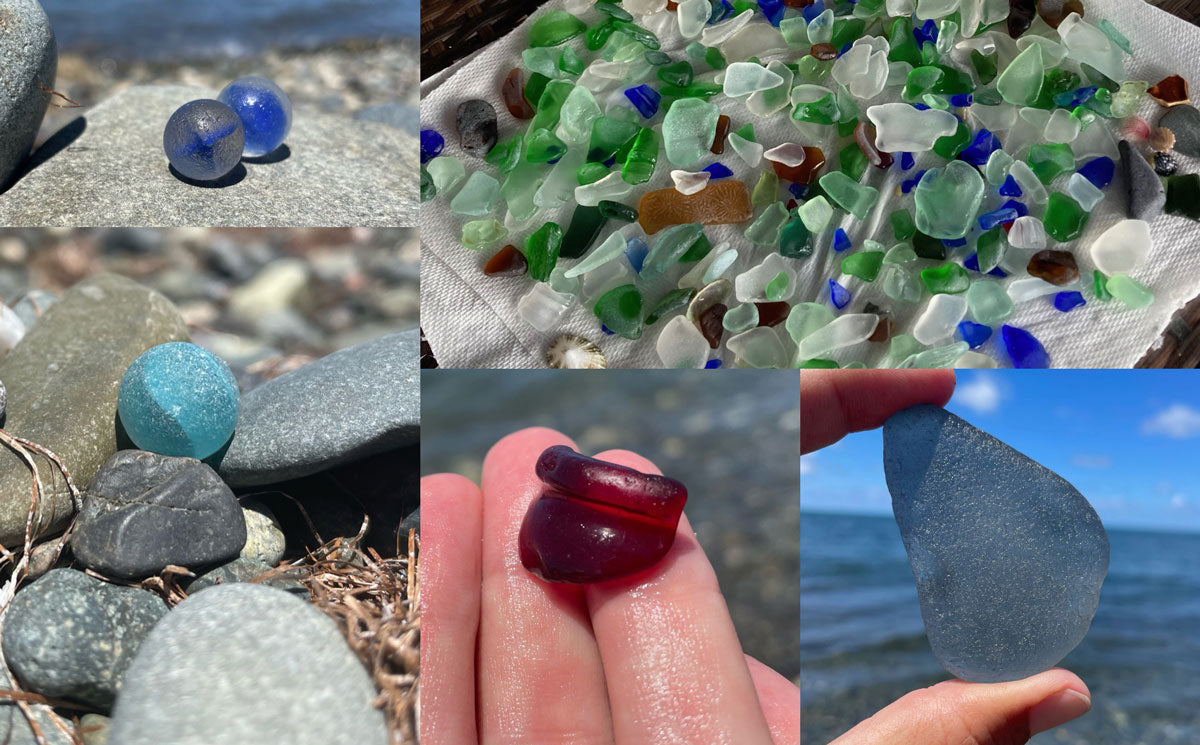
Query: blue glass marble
point(204, 139)
point(636, 250)
point(717, 170)
point(265, 111)
point(838, 295)
point(1025, 351)
point(1020, 207)
point(907, 161)
point(1007, 556)
point(772, 9)
point(981, 148)
point(797, 190)
point(954, 242)
point(712, 364)
point(989, 220)
point(1010, 187)
point(645, 98)
point(1099, 171)
point(810, 12)
point(178, 399)
point(432, 144)
point(962, 99)
point(841, 241)
point(1077, 97)
point(974, 334)
point(1067, 301)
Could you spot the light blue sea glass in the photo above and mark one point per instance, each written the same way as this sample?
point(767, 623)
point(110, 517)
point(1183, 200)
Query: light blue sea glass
point(178, 399)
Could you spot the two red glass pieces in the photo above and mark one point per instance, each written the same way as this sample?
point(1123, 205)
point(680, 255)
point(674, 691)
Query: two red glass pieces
point(597, 521)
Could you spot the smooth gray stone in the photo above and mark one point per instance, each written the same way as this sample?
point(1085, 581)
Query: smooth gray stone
point(1184, 123)
point(353, 403)
point(28, 67)
point(265, 541)
point(1008, 557)
point(246, 664)
point(94, 729)
point(62, 382)
point(242, 569)
point(32, 305)
point(108, 168)
point(145, 511)
point(14, 727)
point(399, 115)
point(1143, 187)
point(72, 636)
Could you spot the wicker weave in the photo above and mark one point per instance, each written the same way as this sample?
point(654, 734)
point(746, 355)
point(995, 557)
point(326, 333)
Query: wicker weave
point(452, 29)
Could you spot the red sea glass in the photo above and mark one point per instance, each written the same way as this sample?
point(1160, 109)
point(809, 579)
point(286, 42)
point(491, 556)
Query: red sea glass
point(597, 521)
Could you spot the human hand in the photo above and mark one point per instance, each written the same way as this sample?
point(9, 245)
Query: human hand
point(836, 403)
point(507, 658)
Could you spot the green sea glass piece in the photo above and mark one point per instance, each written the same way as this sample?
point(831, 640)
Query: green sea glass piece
point(677, 73)
point(570, 62)
point(506, 154)
point(477, 197)
point(549, 105)
point(767, 227)
point(815, 213)
point(766, 189)
point(852, 161)
point(1021, 82)
point(643, 155)
point(617, 211)
point(988, 303)
point(447, 172)
point(950, 279)
point(951, 145)
point(947, 199)
point(478, 234)
point(989, 249)
point(1129, 291)
point(609, 135)
point(1183, 195)
point(928, 247)
point(669, 246)
point(577, 114)
point(585, 225)
point(794, 240)
point(542, 249)
point(903, 346)
point(620, 310)
point(1049, 160)
point(555, 27)
point(1100, 286)
point(848, 194)
point(590, 173)
point(428, 190)
point(814, 104)
point(543, 146)
point(1064, 218)
point(673, 302)
point(865, 265)
point(688, 130)
point(777, 288)
point(903, 226)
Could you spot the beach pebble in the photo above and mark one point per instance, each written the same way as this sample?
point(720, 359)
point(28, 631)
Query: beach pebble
point(72, 636)
point(345, 406)
point(14, 727)
point(246, 570)
point(145, 511)
point(12, 329)
point(93, 729)
point(1144, 188)
point(32, 305)
point(1184, 123)
point(243, 663)
point(67, 369)
point(476, 122)
point(264, 537)
point(29, 57)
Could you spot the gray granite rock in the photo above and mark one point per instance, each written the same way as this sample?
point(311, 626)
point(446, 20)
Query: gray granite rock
point(93, 729)
point(399, 115)
point(246, 664)
point(71, 636)
point(1143, 187)
point(14, 727)
point(246, 570)
point(353, 403)
point(62, 382)
point(145, 511)
point(108, 168)
point(28, 66)
point(265, 542)
point(32, 305)
point(1184, 123)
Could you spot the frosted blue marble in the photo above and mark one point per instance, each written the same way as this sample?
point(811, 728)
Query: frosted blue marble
point(1008, 557)
point(204, 139)
point(178, 399)
point(265, 111)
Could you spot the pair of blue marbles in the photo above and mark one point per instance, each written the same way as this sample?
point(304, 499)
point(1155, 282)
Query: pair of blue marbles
point(205, 139)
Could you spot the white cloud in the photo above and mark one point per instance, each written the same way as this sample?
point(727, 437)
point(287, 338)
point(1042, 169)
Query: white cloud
point(981, 394)
point(1090, 460)
point(808, 464)
point(1178, 502)
point(1177, 420)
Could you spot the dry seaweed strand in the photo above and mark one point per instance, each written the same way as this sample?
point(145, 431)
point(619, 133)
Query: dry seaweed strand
point(70, 104)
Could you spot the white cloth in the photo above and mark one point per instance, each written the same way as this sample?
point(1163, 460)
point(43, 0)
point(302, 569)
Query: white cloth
point(470, 319)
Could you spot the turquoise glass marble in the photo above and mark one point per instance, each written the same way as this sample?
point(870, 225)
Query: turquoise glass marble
point(178, 399)
point(204, 139)
point(264, 109)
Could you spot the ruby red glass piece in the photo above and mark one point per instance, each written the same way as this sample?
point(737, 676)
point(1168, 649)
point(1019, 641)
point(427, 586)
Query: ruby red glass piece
point(597, 521)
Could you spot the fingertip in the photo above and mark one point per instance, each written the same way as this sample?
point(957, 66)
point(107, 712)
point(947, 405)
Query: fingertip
point(834, 403)
point(629, 459)
point(522, 446)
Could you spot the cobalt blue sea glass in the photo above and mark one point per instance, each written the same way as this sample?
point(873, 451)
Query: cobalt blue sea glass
point(981, 148)
point(841, 241)
point(718, 171)
point(645, 98)
point(265, 111)
point(178, 399)
point(1008, 557)
point(204, 139)
point(1023, 348)
point(1010, 187)
point(432, 144)
point(989, 220)
point(974, 334)
point(838, 295)
point(1099, 171)
point(1067, 301)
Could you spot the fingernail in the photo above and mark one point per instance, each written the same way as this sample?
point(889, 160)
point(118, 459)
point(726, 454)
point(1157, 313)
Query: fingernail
point(1058, 709)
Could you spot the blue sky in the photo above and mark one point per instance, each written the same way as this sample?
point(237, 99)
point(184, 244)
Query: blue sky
point(1128, 440)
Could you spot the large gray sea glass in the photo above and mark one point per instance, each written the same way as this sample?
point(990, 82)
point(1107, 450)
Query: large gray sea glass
point(1008, 556)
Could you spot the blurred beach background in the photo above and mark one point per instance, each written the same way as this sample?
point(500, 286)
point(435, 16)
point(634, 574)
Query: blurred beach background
point(732, 438)
point(1127, 441)
point(356, 58)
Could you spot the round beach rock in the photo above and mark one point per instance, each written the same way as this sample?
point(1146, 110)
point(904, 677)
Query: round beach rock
point(71, 636)
point(178, 399)
point(28, 66)
point(244, 663)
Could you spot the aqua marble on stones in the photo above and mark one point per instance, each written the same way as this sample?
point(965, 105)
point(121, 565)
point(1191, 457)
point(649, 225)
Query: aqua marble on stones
point(204, 139)
point(265, 111)
point(1008, 557)
point(178, 399)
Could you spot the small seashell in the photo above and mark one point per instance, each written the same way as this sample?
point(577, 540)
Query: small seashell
point(573, 352)
point(1161, 140)
point(1135, 128)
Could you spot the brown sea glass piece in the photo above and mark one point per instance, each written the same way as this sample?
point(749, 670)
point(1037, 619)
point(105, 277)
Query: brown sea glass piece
point(797, 3)
point(1170, 91)
point(1054, 13)
point(864, 135)
point(513, 91)
point(723, 202)
point(1056, 267)
point(806, 172)
point(597, 521)
point(507, 262)
point(718, 143)
point(710, 324)
point(672, 6)
point(772, 314)
point(883, 330)
point(823, 51)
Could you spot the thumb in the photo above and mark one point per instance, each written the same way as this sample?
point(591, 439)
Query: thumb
point(956, 712)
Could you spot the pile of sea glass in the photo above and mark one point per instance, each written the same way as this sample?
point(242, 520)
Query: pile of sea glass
point(989, 118)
